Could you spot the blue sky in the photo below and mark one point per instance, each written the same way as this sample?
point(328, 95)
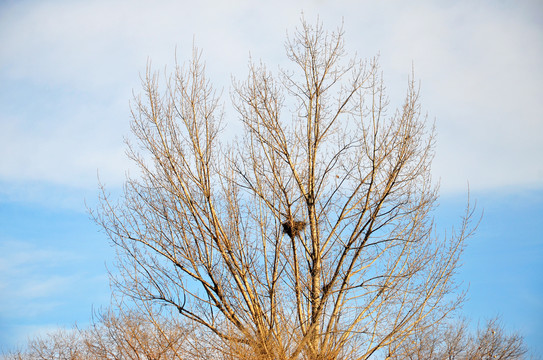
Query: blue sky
point(68, 68)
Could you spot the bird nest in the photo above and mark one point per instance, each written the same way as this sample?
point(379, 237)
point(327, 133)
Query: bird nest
point(293, 228)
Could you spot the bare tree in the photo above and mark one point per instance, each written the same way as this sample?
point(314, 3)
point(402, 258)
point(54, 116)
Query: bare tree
point(117, 333)
point(132, 334)
point(453, 341)
point(135, 334)
point(312, 235)
point(61, 344)
point(492, 342)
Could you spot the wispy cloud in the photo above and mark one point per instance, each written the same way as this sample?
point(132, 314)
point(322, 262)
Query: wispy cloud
point(68, 69)
point(28, 272)
point(37, 278)
point(482, 79)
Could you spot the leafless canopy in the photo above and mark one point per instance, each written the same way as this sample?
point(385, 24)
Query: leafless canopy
point(312, 235)
point(453, 341)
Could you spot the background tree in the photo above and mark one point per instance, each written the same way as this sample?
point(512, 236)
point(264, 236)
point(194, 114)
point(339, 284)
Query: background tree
point(117, 333)
point(131, 334)
point(61, 344)
point(309, 237)
point(454, 341)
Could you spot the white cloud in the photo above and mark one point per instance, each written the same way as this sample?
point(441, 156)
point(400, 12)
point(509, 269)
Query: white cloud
point(480, 66)
point(78, 61)
point(28, 273)
point(35, 279)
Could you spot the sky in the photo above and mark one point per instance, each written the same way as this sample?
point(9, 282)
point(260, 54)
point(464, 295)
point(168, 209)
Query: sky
point(68, 70)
